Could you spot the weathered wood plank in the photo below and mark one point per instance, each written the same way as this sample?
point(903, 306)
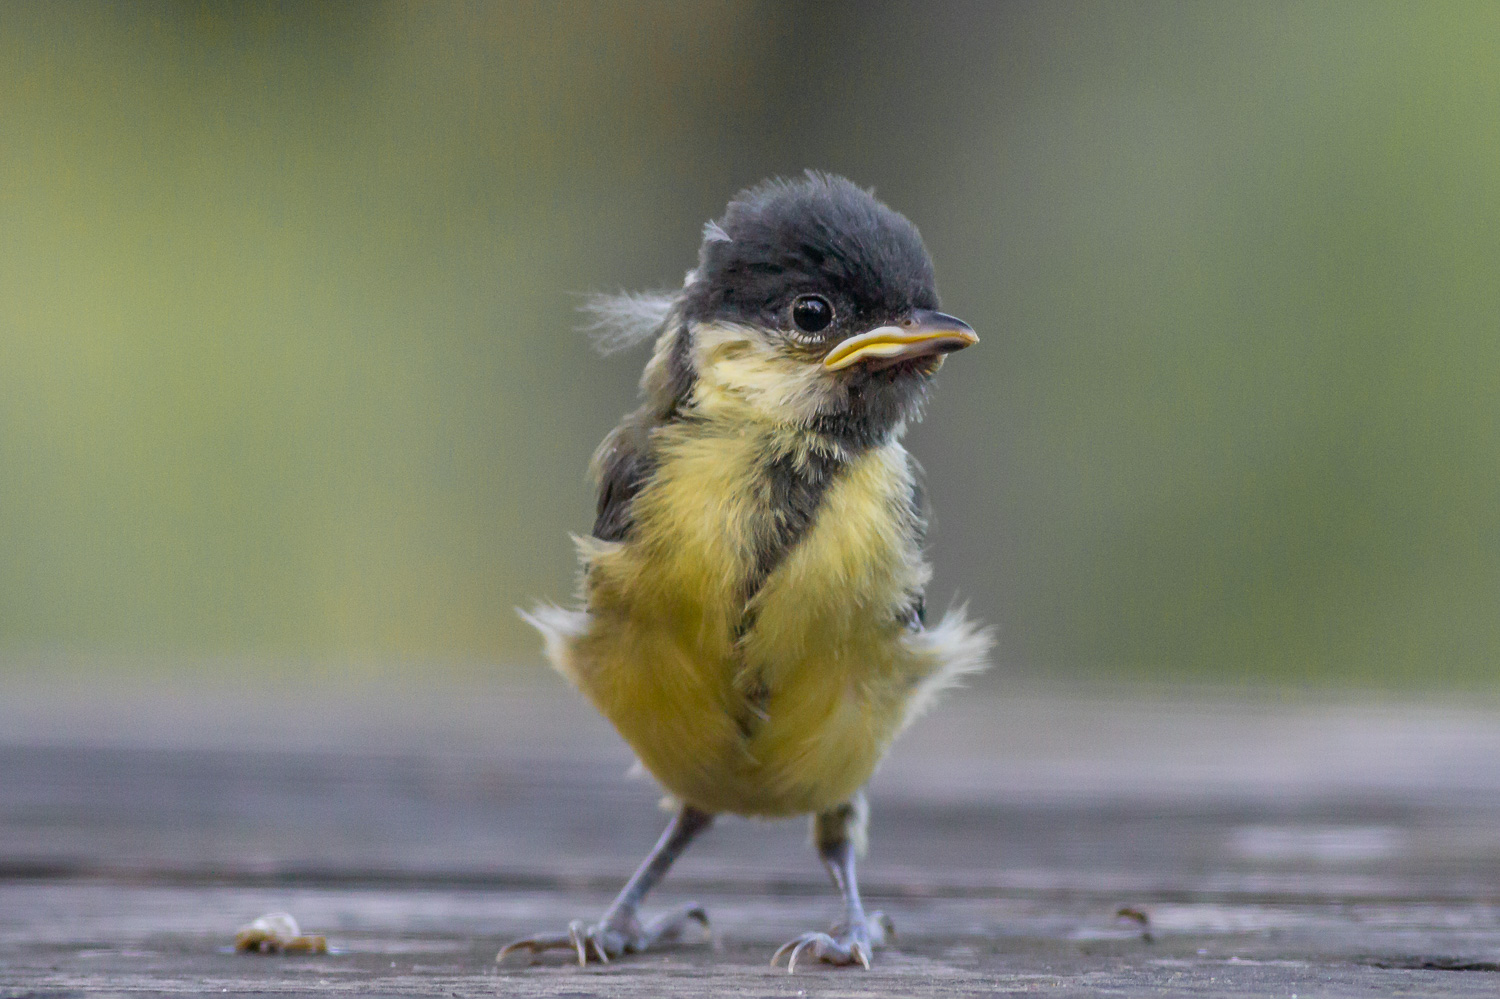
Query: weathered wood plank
point(1330, 850)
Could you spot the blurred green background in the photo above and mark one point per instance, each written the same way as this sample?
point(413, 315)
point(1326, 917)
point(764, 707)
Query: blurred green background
point(288, 369)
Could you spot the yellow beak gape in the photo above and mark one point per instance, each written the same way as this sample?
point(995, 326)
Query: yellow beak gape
point(936, 334)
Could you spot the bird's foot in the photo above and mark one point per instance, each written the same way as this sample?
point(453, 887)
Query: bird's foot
point(612, 937)
point(848, 944)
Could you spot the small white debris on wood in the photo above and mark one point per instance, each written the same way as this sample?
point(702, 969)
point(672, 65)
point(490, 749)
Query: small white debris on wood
point(277, 933)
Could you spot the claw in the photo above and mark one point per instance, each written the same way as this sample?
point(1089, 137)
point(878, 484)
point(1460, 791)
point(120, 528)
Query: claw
point(610, 938)
point(791, 964)
point(852, 944)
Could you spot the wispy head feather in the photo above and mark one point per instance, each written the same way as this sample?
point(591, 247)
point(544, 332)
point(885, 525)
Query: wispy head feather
point(618, 322)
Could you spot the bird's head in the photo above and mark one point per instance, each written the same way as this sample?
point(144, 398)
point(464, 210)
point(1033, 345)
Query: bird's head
point(812, 303)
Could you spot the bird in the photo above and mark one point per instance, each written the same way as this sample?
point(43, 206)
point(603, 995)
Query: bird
point(752, 616)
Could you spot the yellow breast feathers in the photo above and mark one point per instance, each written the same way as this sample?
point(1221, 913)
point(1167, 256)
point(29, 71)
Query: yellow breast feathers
point(774, 695)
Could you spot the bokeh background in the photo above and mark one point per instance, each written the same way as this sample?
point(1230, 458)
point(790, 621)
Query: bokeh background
point(289, 371)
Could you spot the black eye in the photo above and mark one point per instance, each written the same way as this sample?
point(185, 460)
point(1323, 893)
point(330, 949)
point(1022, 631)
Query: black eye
point(812, 313)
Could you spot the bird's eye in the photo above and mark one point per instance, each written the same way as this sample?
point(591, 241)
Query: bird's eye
point(812, 313)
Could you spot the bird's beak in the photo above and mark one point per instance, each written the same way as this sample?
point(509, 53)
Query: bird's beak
point(922, 334)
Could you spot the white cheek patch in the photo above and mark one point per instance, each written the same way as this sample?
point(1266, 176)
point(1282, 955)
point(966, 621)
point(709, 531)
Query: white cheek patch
point(739, 367)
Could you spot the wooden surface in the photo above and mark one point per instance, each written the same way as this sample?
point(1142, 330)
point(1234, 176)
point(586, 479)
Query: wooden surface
point(1324, 849)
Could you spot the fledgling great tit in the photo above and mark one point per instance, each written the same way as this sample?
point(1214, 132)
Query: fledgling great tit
point(753, 620)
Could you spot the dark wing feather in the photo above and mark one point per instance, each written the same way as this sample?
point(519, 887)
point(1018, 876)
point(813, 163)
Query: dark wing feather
point(624, 463)
point(914, 614)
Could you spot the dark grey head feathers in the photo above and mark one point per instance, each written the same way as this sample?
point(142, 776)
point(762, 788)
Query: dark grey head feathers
point(819, 235)
point(778, 246)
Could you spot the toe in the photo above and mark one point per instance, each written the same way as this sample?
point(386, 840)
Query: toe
point(578, 936)
point(817, 941)
point(611, 938)
point(791, 945)
point(824, 947)
point(669, 925)
point(535, 944)
point(845, 946)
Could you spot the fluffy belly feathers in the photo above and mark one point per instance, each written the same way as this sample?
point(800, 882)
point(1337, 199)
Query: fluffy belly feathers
point(781, 705)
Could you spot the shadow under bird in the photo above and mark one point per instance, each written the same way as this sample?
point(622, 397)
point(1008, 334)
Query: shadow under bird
point(753, 620)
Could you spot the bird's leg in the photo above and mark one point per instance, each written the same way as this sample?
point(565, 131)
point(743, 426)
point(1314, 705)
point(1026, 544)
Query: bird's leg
point(839, 834)
point(621, 931)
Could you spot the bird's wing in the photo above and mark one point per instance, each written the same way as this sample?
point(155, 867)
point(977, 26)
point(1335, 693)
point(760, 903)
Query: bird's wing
point(915, 613)
point(622, 465)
